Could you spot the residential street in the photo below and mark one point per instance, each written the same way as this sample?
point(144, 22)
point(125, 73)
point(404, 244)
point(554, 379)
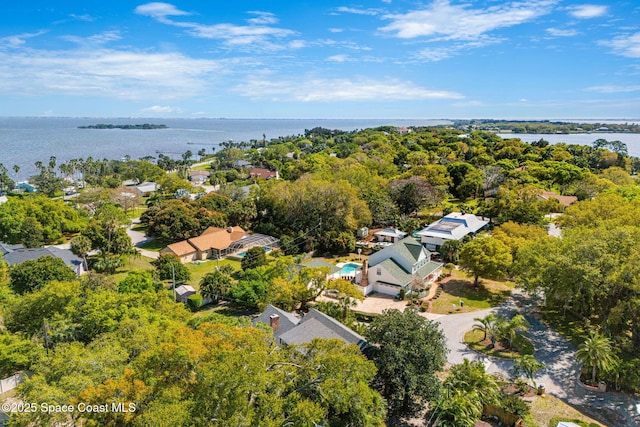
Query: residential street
point(556, 352)
point(138, 238)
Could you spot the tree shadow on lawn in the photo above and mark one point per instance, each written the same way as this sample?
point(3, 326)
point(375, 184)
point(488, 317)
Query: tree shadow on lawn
point(465, 289)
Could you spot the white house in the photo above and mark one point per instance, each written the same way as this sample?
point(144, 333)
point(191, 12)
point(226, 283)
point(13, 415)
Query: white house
point(397, 267)
point(392, 235)
point(454, 226)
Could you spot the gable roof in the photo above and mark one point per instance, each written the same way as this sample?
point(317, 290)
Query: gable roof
point(287, 320)
point(564, 200)
point(316, 324)
point(183, 290)
point(409, 248)
point(6, 248)
point(18, 256)
point(181, 248)
point(391, 232)
point(217, 238)
point(262, 173)
point(454, 226)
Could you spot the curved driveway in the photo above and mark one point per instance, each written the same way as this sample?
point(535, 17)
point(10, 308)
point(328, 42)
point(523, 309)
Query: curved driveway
point(552, 349)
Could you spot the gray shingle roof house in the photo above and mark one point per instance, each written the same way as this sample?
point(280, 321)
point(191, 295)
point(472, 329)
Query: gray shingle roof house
point(396, 267)
point(291, 330)
point(20, 255)
point(183, 292)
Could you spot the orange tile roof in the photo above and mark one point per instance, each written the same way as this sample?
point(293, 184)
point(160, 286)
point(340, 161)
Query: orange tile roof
point(564, 200)
point(181, 248)
point(217, 238)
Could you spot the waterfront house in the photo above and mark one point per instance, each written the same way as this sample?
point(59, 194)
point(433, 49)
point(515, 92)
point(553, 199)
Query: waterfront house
point(454, 226)
point(397, 268)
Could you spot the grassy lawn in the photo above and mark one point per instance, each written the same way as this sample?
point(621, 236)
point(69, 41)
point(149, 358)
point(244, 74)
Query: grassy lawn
point(132, 263)
point(459, 287)
point(544, 409)
point(155, 245)
point(474, 340)
point(199, 270)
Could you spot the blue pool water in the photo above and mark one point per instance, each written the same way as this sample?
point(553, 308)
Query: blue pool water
point(349, 268)
point(243, 253)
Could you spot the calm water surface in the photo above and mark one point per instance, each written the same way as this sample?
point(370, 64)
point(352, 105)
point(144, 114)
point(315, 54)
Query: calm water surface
point(26, 140)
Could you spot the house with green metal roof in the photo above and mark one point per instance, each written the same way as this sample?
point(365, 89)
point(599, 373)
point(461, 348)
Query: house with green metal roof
point(398, 267)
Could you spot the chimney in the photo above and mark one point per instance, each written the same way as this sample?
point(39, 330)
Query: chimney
point(274, 322)
point(364, 278)
point(229, 230)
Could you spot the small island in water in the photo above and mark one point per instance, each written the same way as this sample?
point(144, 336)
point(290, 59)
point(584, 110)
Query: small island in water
point(111, 126)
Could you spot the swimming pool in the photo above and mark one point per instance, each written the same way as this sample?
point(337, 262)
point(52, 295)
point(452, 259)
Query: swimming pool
point(349, 268)
point(244, 253)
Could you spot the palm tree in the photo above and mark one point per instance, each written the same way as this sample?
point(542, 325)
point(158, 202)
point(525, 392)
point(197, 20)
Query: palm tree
point(511, 328)
point(596, 352)
point(472, 377)
point(485, 324)
point(458, 409)
point(526, 365)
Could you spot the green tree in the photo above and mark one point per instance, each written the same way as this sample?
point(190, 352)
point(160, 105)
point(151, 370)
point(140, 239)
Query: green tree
point(511, 328)
point(457, 408)
point(254, 257)
point(138, 281)
point(471, 377)
point(409, 351)
point(526, 365)
point(33, 274)
point(215, 285)
point(81, 246)
point(485, 257)
point(169, 267)
point(596, 353)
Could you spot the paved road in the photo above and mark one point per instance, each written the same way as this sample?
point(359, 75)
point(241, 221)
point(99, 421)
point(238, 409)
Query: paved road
point(138, 239)
point(552, 349)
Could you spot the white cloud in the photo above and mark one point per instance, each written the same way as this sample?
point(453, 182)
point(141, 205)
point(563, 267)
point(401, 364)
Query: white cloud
point(159, 10)
point(356, 11)
point(587, 11)
point(436, 54)
point(262, 18)
point(627, 45)
point(336, 30)
point(161, 109)
point(613, 89)
point(461, 22)
point(332, 90)
point(18, 39)
point(258, 33)
point(558, 32)
point(105, 72)
point(339, 58)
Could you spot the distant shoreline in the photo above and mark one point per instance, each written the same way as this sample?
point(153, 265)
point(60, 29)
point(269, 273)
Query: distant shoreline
point(127, 127)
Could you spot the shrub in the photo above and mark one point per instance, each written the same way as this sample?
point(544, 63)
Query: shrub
point(194, 302)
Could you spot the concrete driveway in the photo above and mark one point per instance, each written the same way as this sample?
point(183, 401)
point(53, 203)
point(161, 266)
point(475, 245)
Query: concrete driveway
point(138, 239)
point(552, 349)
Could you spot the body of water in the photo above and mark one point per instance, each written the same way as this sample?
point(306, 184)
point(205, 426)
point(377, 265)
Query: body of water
point(26, 140)
point(632, 140)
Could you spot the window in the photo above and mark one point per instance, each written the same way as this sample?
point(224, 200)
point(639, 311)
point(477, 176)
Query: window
point(379, 271)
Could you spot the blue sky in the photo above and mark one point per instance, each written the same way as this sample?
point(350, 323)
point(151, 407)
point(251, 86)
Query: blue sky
point(529, 59)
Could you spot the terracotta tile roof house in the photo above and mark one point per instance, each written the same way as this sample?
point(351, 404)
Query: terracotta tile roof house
point(212, 243)
point(291, 330)
point(263, 173)
point(564, 200)
point(396, 267)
